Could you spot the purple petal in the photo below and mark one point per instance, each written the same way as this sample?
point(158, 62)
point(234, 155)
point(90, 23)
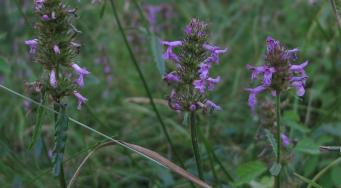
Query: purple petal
point(80, 98)
point(252, 97)
point(285, 139)
point(212, 82)
point(172, 77)
point(199, 85)
point(56, 49)
point(210, 105)
point(53, 80)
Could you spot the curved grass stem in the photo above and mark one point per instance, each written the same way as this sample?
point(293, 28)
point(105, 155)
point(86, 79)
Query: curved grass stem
point(195, 145)
point(145, 85)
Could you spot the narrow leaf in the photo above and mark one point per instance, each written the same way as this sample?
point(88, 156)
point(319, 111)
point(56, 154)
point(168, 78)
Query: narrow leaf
point(275, 169)
point(153, 155)
point(307, 146)
point(306, 180)
point(272, 141)
point(250, 171)
point(157, 54)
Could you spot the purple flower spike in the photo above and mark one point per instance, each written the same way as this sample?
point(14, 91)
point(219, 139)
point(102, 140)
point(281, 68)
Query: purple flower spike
point(169, 54)
point(210, 105)
point(252, 97)
point(33, 44)
point(45, 17)
point(80, 98)
point(56, 49)
point(172, 78)
point(285, 139)
point(53, 80)
point(199, 85)
point(81, 72)
point(212, 82)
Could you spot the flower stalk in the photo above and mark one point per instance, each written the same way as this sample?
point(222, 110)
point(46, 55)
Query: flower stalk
point(195, 145)
point(278, 138)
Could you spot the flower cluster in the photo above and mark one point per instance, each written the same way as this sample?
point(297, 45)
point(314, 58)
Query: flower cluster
point(191, 80)
point(55, 49)
point(278, 73)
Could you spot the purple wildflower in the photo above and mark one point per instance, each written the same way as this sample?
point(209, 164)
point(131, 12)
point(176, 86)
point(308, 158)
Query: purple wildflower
point(253, 93)
point(299, 68)
point(211, 82)
point(172, 78)
point(169, 52)
point(285, 139)
point(45, 17)
point(56, 49)
point(53, 80)
point(278, 73)
point(210, 105)
point(192, 107)
point(199, 85)
point(267, 71)
point(33, 44)
point(204, 69)
point(215, 51)
point(39, 4)
point(81, 72)
point(80, 98)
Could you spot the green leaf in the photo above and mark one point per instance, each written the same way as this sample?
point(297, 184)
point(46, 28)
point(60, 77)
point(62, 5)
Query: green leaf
point(60, 141)
point(296, 126)
point(307, 146)
point(37, 128)
point(272, 141)
point(335, 175)
point(157, 53)
point(249, 171)
point(4, 66)
point(308, 181)
point(275, 169)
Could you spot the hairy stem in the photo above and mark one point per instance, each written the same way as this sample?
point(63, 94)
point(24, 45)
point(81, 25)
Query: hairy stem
point(145, 85)
point(278, 137)
point(62, 181)
point(195, 144)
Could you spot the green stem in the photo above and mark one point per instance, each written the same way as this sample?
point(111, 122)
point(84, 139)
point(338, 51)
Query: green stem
point(323, 171)
point(195, 144)
point(145, 85)
point(213, 157)
point(62, 181)
point(278, 137)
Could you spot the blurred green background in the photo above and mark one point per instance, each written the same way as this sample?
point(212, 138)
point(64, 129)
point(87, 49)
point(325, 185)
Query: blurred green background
point(117, 105)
